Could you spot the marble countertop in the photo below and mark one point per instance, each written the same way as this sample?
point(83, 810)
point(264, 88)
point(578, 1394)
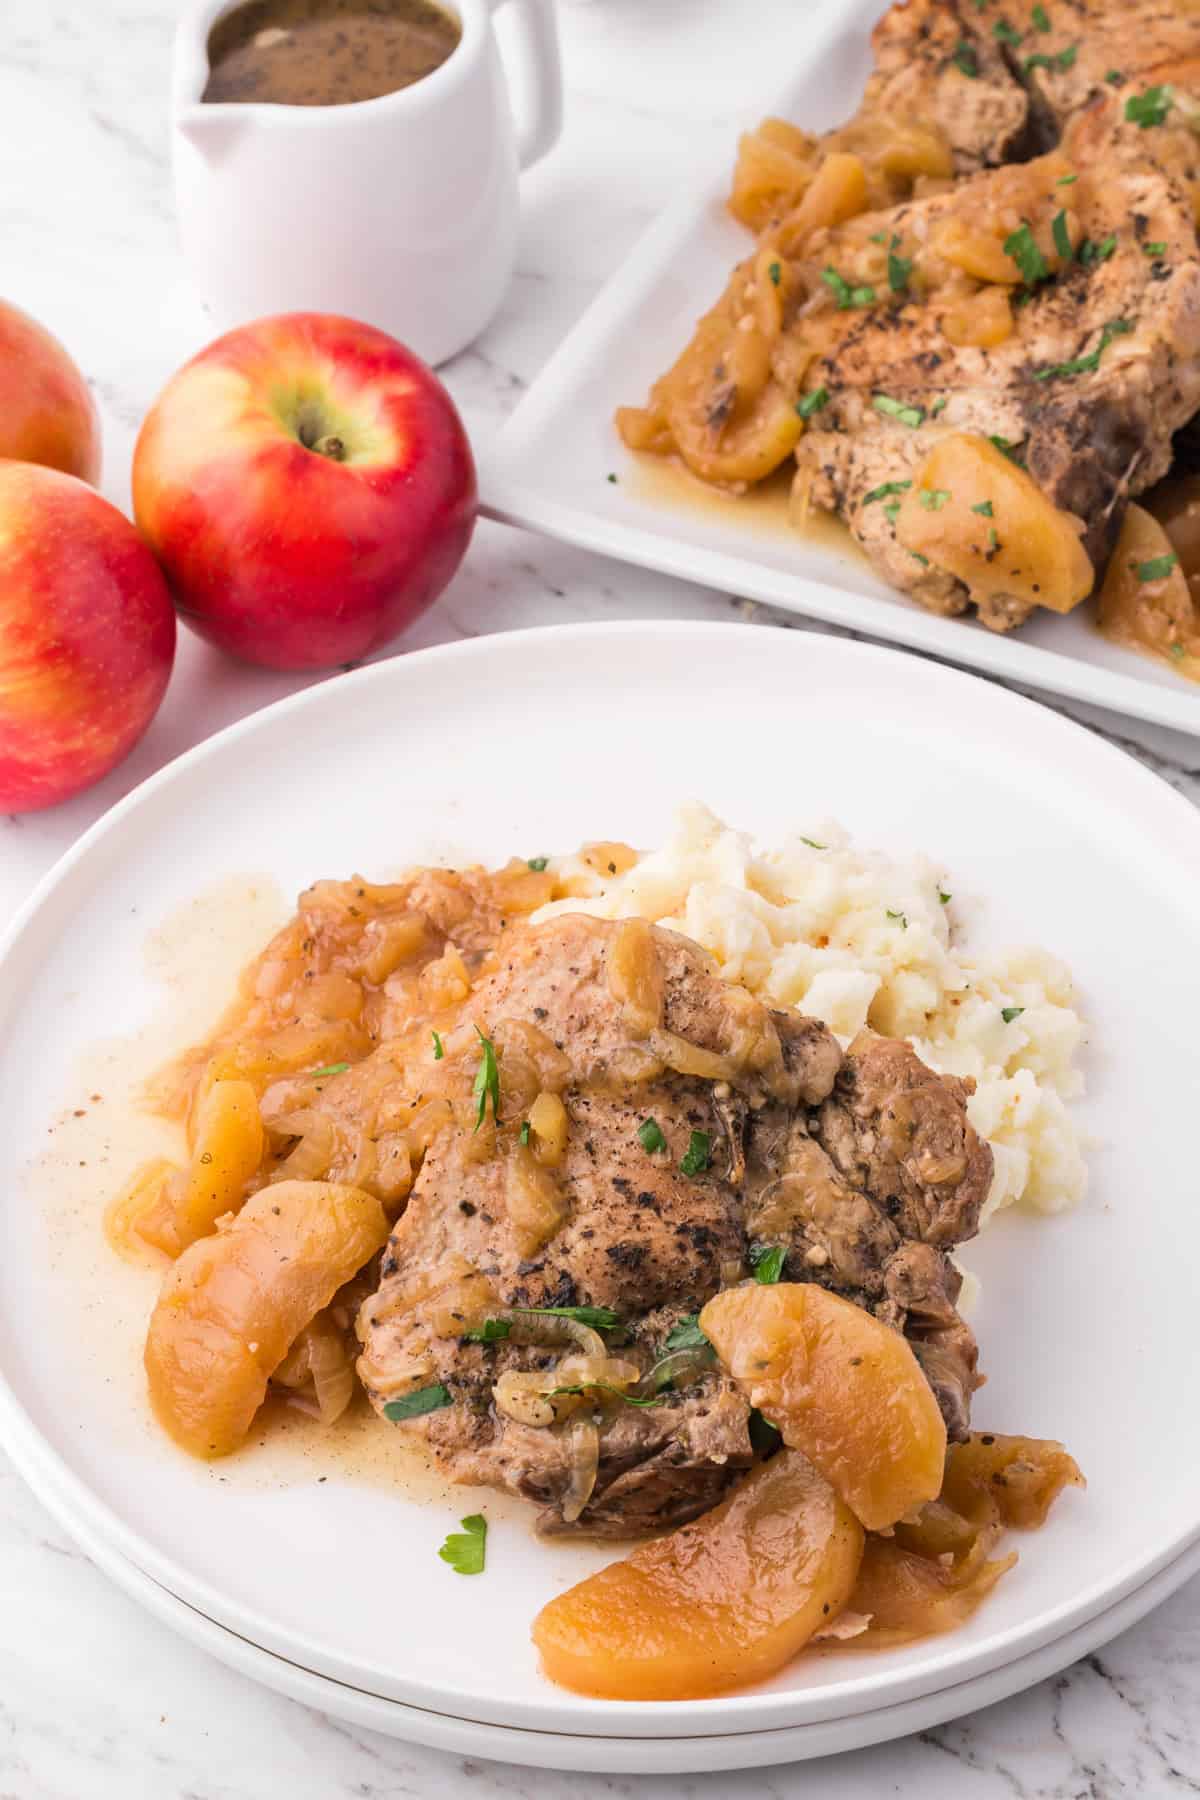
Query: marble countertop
point(97, 1701)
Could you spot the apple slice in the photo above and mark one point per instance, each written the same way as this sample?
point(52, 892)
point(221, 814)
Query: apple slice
point(722, 1602)
point(840, 1386)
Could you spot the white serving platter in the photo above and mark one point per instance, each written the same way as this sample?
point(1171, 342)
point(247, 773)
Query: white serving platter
point(534, 741)
point(550, 467)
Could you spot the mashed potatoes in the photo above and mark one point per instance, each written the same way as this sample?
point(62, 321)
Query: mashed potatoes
point(857, 938)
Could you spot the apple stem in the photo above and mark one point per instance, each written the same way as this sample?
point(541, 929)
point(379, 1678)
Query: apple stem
point(330, 446)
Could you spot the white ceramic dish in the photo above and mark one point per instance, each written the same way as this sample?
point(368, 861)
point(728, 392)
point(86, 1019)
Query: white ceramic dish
point(531, 741)
point(616, 1755)
point(551, 465)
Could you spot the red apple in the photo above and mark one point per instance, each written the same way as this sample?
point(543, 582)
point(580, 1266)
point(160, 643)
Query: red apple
point(46, 411)
point(308, 487)
point(87, 637)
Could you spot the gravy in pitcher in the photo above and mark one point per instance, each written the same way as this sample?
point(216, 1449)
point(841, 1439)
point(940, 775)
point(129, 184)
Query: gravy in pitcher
point(325, 52)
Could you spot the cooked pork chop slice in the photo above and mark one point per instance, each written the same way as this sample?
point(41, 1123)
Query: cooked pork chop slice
point(643, 1029)
point(1099, 370)
point(933, 61)
point(1076, 51)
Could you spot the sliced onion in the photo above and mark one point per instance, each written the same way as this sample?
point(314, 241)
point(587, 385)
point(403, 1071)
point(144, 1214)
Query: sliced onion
point(583, 1445)
point(332, 1372)
point(692, 1059)
point(519, 1395)
point(679, 1367)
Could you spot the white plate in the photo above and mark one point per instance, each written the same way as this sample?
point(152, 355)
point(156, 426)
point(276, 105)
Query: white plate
point(617, 1755)
point(549, 468)
point(533, 741)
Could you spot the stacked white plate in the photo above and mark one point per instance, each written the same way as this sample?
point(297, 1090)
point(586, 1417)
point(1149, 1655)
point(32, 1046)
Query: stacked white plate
point(331, 1589)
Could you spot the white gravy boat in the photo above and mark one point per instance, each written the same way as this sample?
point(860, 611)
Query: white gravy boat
point(400, 211)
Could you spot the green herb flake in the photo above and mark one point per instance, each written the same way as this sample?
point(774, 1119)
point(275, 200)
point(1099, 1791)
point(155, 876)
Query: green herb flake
point(1041, 18)
point(439, 1049)
point(984, 507)
point(813, 844)
point(1157, 567)
point(844, 293)
point(1022, 247)
point(768, 1264)
point(1006, 447)
point(1091, 252)
point(775, 272)
point(465, 1550)
point(1150, 108)
point(917, 557)
point(1066, 180)
point(523, 1134)
point(898, 915)
point(1004, 33)
point(606, 1387)
point(933, 499)
point(686, 1334)
point(422, 1400)
point(537, 863)
point(698, 1154)
point(329, 1069)
point(812, 403)
point(891, 511)
point(1155, 249)
point(965, 59)
point(600, 1318)
point(492, 1331)
point(899, 268)
point(1061, 59)
point(896, 409)
point(1083, 365)
point(487, 1081)
point(878, 237)
point(944, 898)
point(612, 478)
point(1177, 651)
point(1009, 1013)
point(939, 405)
point(993, 538)
point(888, 488)
point(650, 1136)
point(1114, 78)
point(1062, 237)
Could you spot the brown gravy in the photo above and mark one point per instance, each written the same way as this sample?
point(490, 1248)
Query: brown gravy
point(326, 52)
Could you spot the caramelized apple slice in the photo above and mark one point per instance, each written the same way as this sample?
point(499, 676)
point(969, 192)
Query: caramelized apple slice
point(228, 1148)
point(719, 1603)
point(234, 1302)
point(840, 1386)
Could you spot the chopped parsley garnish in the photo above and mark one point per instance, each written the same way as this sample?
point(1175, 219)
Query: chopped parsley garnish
point(1022, 247)
point(1155, 249)
point(1005, 446)
point(422, 1400)
point(917, 557)
point(492, 1331)
point(939, 405)
point(696, 1157)
point(1150, 108)
point(1062, 237)
point(965, 59)
point(588, 1387)
point(846, 295)
point(882, 493)
point(1084, 365)
point(878, 237)
point(329, 1069)
point(1090, 252)
point(898, 915)
point(993, 538)
point(812, 403)
point(985, 507)
point(1009, 1013)
point(899, 270)
point(537, 863)
point(1005, 33)
point(933, 499)
point(612, 478)
point(944, 898)
point(1041, 18)
point(1177, 651)
point(439, 1049)
point(891, 511)
point(768, 1264)
point(1157, 567)
point(896, 409)
point(775, 272)
point(813, 844)
point(686, 1334)
point(464, 1550)
point(487, 1081)
point(650, 1136)
point(1066, 180)
point(1114, 78)
point(523, 1134)
point(1062, 59)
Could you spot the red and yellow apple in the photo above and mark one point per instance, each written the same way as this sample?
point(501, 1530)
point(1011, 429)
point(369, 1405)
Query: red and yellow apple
point(47, 414)
point(307, 486)
point(87, 637)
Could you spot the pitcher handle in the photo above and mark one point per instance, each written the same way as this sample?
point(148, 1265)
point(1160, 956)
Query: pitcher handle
point(536, 33)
